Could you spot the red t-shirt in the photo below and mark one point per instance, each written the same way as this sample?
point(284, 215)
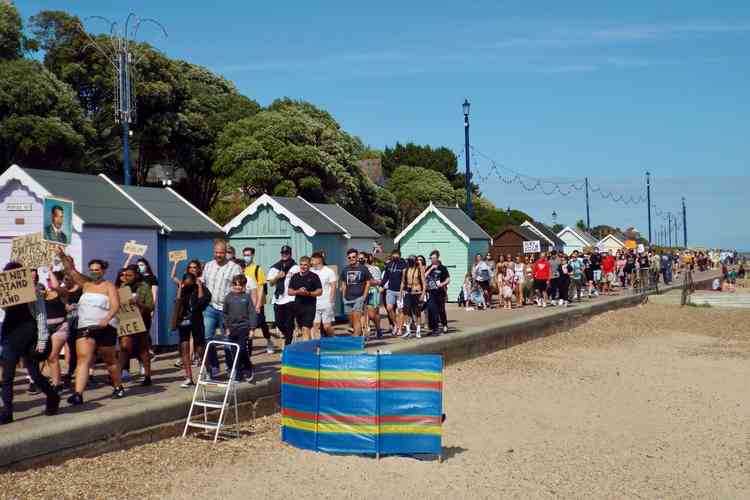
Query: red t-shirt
point(608, 264)
point(542, 270)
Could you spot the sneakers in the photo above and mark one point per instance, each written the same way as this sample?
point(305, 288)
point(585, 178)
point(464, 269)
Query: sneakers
point(407, 333)
point(53, 403)
point(118, 393)
point(561, 302)
point(445, 329)
point(59, 389)
point(75, 399)
point(249, 376)
point(270, 349)
point(125, 376)
point(33, 389)
point(147, 382)
point(188, 383)
point(419, 332)
point(178, 364)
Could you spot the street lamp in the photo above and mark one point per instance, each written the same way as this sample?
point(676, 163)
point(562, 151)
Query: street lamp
point(507, 212)
point(554, 217)
point(469, 209)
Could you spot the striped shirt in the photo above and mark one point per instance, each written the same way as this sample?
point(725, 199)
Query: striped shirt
point(218, 280)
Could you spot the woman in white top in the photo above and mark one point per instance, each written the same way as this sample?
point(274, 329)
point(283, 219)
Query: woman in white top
point(96, 325)
point(519, 270)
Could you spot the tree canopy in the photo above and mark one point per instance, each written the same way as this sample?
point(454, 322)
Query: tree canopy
point(415, 187)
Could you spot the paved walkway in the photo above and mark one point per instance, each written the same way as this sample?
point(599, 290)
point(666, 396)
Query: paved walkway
point(145, 403)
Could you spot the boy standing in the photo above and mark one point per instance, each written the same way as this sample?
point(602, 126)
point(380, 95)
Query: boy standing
point(239, 318)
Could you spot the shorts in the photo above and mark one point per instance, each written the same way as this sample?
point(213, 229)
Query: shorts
point(412, 304)
point(597, 274)
point(356, 305)
point(391, 297)
point(507, 292)
point(305, 315)
point(59, 331)
point(609, 278)
point(324, 315)
point(104, 337)
point(484, 284)
point(540, 285)
point(186, 331)
point(373, 298)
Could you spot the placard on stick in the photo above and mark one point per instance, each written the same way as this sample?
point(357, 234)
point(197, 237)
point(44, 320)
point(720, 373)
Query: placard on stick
point(16, 287)
point(129, 316)
point(178, 255)
point(133, 248)
point(32, 251)
point(534, 246)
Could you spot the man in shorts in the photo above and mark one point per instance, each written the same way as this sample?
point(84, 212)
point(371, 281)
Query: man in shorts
point(324, 314)
point(608, 271)
point(394, 271)
point(595, 265)
point(355, 285)
point(305, 287)
point(482, 275)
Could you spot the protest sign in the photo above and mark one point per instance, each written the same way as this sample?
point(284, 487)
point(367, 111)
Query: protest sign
point(57, 220)
point(177, 255)
point(32, 251)
point(129, 316)
point(641, 248)
point(630, 244)
point(133, 248)
point(16, 287)
point(534, 246)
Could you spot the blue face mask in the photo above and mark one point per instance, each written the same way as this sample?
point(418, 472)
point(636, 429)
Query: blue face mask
point(248, 259)
point(142, 268)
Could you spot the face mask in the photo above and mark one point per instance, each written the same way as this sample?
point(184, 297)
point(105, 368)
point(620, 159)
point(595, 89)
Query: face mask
point(248, 259)
point(361, 261)
point(142, 268)
point(95, 275)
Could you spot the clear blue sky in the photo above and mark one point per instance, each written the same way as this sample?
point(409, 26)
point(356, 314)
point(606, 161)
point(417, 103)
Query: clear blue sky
point(558, 89)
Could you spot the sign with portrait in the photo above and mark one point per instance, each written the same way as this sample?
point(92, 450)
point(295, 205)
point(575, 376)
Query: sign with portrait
point(533, 246)
point(129, 319)
point(16, 287)
point(31, 250)
point(57, 220)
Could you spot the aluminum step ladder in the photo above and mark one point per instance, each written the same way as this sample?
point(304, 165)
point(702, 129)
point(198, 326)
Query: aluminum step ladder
point(205, 387)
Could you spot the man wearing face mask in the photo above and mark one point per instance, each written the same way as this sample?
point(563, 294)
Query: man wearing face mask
point(279, 277)
point(394, 270)
point(253, 271)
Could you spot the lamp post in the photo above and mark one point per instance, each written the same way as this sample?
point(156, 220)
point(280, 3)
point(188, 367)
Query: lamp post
point(554, 218)
point(648, 200)
point(469, 209)
point(684, 223)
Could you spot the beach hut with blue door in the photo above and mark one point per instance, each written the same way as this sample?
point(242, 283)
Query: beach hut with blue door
point(453, 233)
point(181, 227)
point(103, 219)
point(271, 222)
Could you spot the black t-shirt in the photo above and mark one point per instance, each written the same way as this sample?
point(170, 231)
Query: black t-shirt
point(437, 274)
point(355, 277)
point(151, 280)
point(596, 261)
point(643, 261)
point(393, 273)
point(630, 261)
point(310, 282)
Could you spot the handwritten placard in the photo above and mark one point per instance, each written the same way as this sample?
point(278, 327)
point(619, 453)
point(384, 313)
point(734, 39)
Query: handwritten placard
point(534, 246)
point(177, 255)
point(129, 316)
point(133, 248)
point(32, 251)
point(16, 287)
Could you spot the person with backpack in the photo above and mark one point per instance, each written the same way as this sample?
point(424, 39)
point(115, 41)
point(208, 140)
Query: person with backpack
point(254, 271)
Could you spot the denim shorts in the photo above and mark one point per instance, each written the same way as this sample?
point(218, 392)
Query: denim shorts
point(356, 305)
point(391, 297)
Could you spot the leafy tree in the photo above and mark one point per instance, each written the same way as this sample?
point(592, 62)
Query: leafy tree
point(603, 230)
point(415, 187)
point(12, 40)
point(439, 159)
point(41, 122)
point(491, 218)
point(580, 224)
point(557, 228)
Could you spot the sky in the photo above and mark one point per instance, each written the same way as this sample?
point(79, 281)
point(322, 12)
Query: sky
point(558, 90)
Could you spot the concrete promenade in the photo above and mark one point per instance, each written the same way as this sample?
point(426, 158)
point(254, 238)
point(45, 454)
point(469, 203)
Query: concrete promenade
point(148, 414)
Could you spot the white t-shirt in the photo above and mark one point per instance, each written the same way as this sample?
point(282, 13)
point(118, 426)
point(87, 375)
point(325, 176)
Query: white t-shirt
point(327, 276)
point(285, 298)
point(251, 284)
point(218, 280)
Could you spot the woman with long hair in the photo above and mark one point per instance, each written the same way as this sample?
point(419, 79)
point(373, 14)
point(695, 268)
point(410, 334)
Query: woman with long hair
point(192, 299)
point(97, 332)
point(413, 293)
point(519, 269)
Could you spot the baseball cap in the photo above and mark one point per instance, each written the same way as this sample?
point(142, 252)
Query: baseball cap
point(286, 249)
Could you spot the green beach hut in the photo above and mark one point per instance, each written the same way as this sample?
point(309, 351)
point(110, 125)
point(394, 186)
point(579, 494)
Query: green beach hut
point(453, 233)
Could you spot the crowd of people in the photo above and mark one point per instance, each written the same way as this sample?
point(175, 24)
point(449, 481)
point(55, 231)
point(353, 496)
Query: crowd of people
point(225, 299)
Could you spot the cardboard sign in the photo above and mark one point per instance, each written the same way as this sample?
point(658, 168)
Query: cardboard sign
point(641, 248)
point(16, 287)
point(129, 316)
point(32, 251)
point(630, 244)
point(534, 246)
point(133, 248)
point(57, 220)
point(177, 255)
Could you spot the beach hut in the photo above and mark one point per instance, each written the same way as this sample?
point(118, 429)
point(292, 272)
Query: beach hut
point(181, 227)
point(545, 233)
point(359, 235)
point(613, 242)
point(271, 222)
point(576, 239)
point(510, 240)
point(453, 233)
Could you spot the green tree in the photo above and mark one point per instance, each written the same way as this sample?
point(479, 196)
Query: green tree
point(415, 187)
point(12, 39)
point(580, 224)
point(557, 228)
point(41, 122)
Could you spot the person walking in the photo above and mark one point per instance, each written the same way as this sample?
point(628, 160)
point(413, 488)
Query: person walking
point(437, 279)
point(279, 277)
point(305, 287)
point(575, 266)
point(563, 282)
point(97, 325)
point(192, 299)
point(392, 278)
point(55, 302)
point(542, 276)
point(482, 274)
point(609, 264)
point(413, 289)
point(519, 271)
point(25, 338)
point(325, 302)
point(141, 296)
point(554, 267)
point(373, 296)
point(240, 316)
point(217, 276)
point(254, 271)
point(355, 285)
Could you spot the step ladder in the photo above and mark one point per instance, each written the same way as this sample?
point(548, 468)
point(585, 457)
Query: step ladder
point(205, 387)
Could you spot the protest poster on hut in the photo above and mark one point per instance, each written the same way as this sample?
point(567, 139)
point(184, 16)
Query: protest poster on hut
point(16, 287)
point(129, 316)
point(32, 251)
